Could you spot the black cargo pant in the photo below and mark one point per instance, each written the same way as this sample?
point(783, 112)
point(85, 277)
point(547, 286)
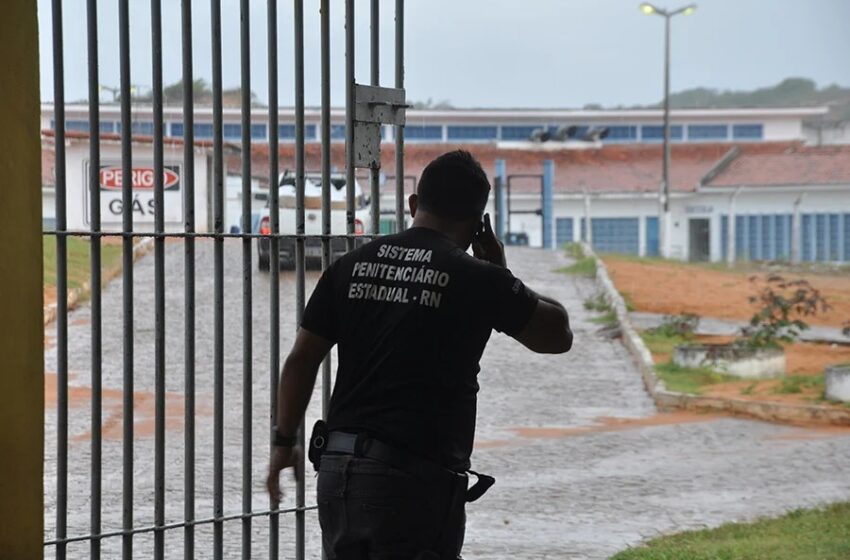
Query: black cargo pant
point(369, 510)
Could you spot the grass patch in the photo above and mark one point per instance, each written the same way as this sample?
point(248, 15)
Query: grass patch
point(749, 389)
point(597, 303)
point(627, 299)
point(660, 342)
point(609, 319)
point(600, 304)
point(675, 377)
point(574, 250)
point(794, 384)
point(584, 265)
point(804, 534)
point(79, 260)
point(689, 380)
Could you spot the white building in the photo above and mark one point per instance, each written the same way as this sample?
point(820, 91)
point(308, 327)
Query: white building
point(788, 200)
point(77, 193)
point(625, 126)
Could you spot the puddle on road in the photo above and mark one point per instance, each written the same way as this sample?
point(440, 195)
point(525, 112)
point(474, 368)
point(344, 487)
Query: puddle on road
point(811, 433)
point(607, 424)
point(604, 424)
point(144, 409)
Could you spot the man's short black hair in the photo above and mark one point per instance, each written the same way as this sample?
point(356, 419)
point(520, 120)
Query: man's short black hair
point(454, 186)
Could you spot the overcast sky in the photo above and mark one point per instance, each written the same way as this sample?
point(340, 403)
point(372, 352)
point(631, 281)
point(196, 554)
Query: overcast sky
point(493, 53)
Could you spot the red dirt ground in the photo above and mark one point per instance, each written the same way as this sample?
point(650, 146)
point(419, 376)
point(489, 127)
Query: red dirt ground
point(675, 288)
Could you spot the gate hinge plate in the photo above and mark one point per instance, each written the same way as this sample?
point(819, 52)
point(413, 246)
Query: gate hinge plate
point(373, 107)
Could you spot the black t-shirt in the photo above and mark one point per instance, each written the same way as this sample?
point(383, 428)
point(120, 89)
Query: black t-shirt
point(411, 313)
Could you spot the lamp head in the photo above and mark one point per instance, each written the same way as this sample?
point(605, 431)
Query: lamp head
point(648, 8)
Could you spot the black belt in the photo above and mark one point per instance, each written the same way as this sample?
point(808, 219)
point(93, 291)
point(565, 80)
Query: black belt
point(361, 445)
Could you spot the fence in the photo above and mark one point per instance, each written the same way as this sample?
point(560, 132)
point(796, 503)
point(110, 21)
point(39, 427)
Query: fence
point(360, 126)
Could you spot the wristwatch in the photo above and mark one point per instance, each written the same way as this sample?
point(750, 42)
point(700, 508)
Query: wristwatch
point(283, 441)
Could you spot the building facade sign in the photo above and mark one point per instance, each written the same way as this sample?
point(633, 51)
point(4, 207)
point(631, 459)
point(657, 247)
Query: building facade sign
point(143, 177)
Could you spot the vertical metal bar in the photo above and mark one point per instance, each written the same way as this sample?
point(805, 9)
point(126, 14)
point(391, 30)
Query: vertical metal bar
point(298, 20)
point(218, 287)
point(188, 285)
point(61, 286)
point(159, 284)
point(247, 295)
point(375, 57)
point(326, 173)
point(349, 121)
point(127, 272)
point(95, 280)
point(274, 250)
point(399, 130)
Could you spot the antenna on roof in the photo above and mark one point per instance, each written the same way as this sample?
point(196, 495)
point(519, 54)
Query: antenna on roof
point(540, 135)
point(595, 134)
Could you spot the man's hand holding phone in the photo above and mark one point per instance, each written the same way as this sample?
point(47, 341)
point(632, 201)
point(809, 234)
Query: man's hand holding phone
point(486, 246)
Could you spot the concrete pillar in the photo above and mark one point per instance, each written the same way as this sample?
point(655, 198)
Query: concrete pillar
point(21, 305)
point(796, 231)
point(588, 231)
point(500, 185)
point(642, 236)
point(548, 206)
point(730, 230)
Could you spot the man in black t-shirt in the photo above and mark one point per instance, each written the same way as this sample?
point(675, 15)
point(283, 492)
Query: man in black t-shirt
point(411, 314)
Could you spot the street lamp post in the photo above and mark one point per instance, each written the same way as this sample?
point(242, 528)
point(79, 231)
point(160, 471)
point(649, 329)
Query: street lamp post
point(666, 218)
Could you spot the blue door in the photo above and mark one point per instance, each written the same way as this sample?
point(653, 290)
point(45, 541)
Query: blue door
point(615, 235)
point(652, 236)
point(563, 231)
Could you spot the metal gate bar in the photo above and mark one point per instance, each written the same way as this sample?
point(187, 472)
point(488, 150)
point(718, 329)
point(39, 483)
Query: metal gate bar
point(61, 285)
point(247, 295)
point(188, 283)
point(95, 281)
point(375, 67)
point(189, 234)
point(159, 283)
point(274, 251)
point(399, 130)
point(326, 174)
point(218, 286)
point(349, 121)
point(126, 275)
point(298, 35)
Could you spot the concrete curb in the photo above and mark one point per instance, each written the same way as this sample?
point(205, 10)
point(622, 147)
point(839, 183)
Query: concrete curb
point(666, 400)
point(78, 294)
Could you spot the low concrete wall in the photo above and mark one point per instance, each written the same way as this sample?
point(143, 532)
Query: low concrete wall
point(838, 383)
point(746, 363)
point(665, 399)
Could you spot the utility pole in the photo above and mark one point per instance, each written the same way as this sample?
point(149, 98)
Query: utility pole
point(666, 220)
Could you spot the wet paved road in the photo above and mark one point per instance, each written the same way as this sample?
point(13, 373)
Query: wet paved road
point(585, 464)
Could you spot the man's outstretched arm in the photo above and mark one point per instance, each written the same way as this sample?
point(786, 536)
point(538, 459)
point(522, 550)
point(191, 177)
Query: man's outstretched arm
point(548, 330)
point(297, 380)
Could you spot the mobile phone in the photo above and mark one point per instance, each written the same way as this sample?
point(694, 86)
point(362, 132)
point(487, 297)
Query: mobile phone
point(479, 230)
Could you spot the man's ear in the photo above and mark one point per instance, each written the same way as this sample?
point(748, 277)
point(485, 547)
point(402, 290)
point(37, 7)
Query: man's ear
point(413, 204)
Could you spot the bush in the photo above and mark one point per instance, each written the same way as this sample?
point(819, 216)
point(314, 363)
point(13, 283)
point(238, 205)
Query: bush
point(783, 306)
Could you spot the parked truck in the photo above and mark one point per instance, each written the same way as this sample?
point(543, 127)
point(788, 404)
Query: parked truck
point(312, 219)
